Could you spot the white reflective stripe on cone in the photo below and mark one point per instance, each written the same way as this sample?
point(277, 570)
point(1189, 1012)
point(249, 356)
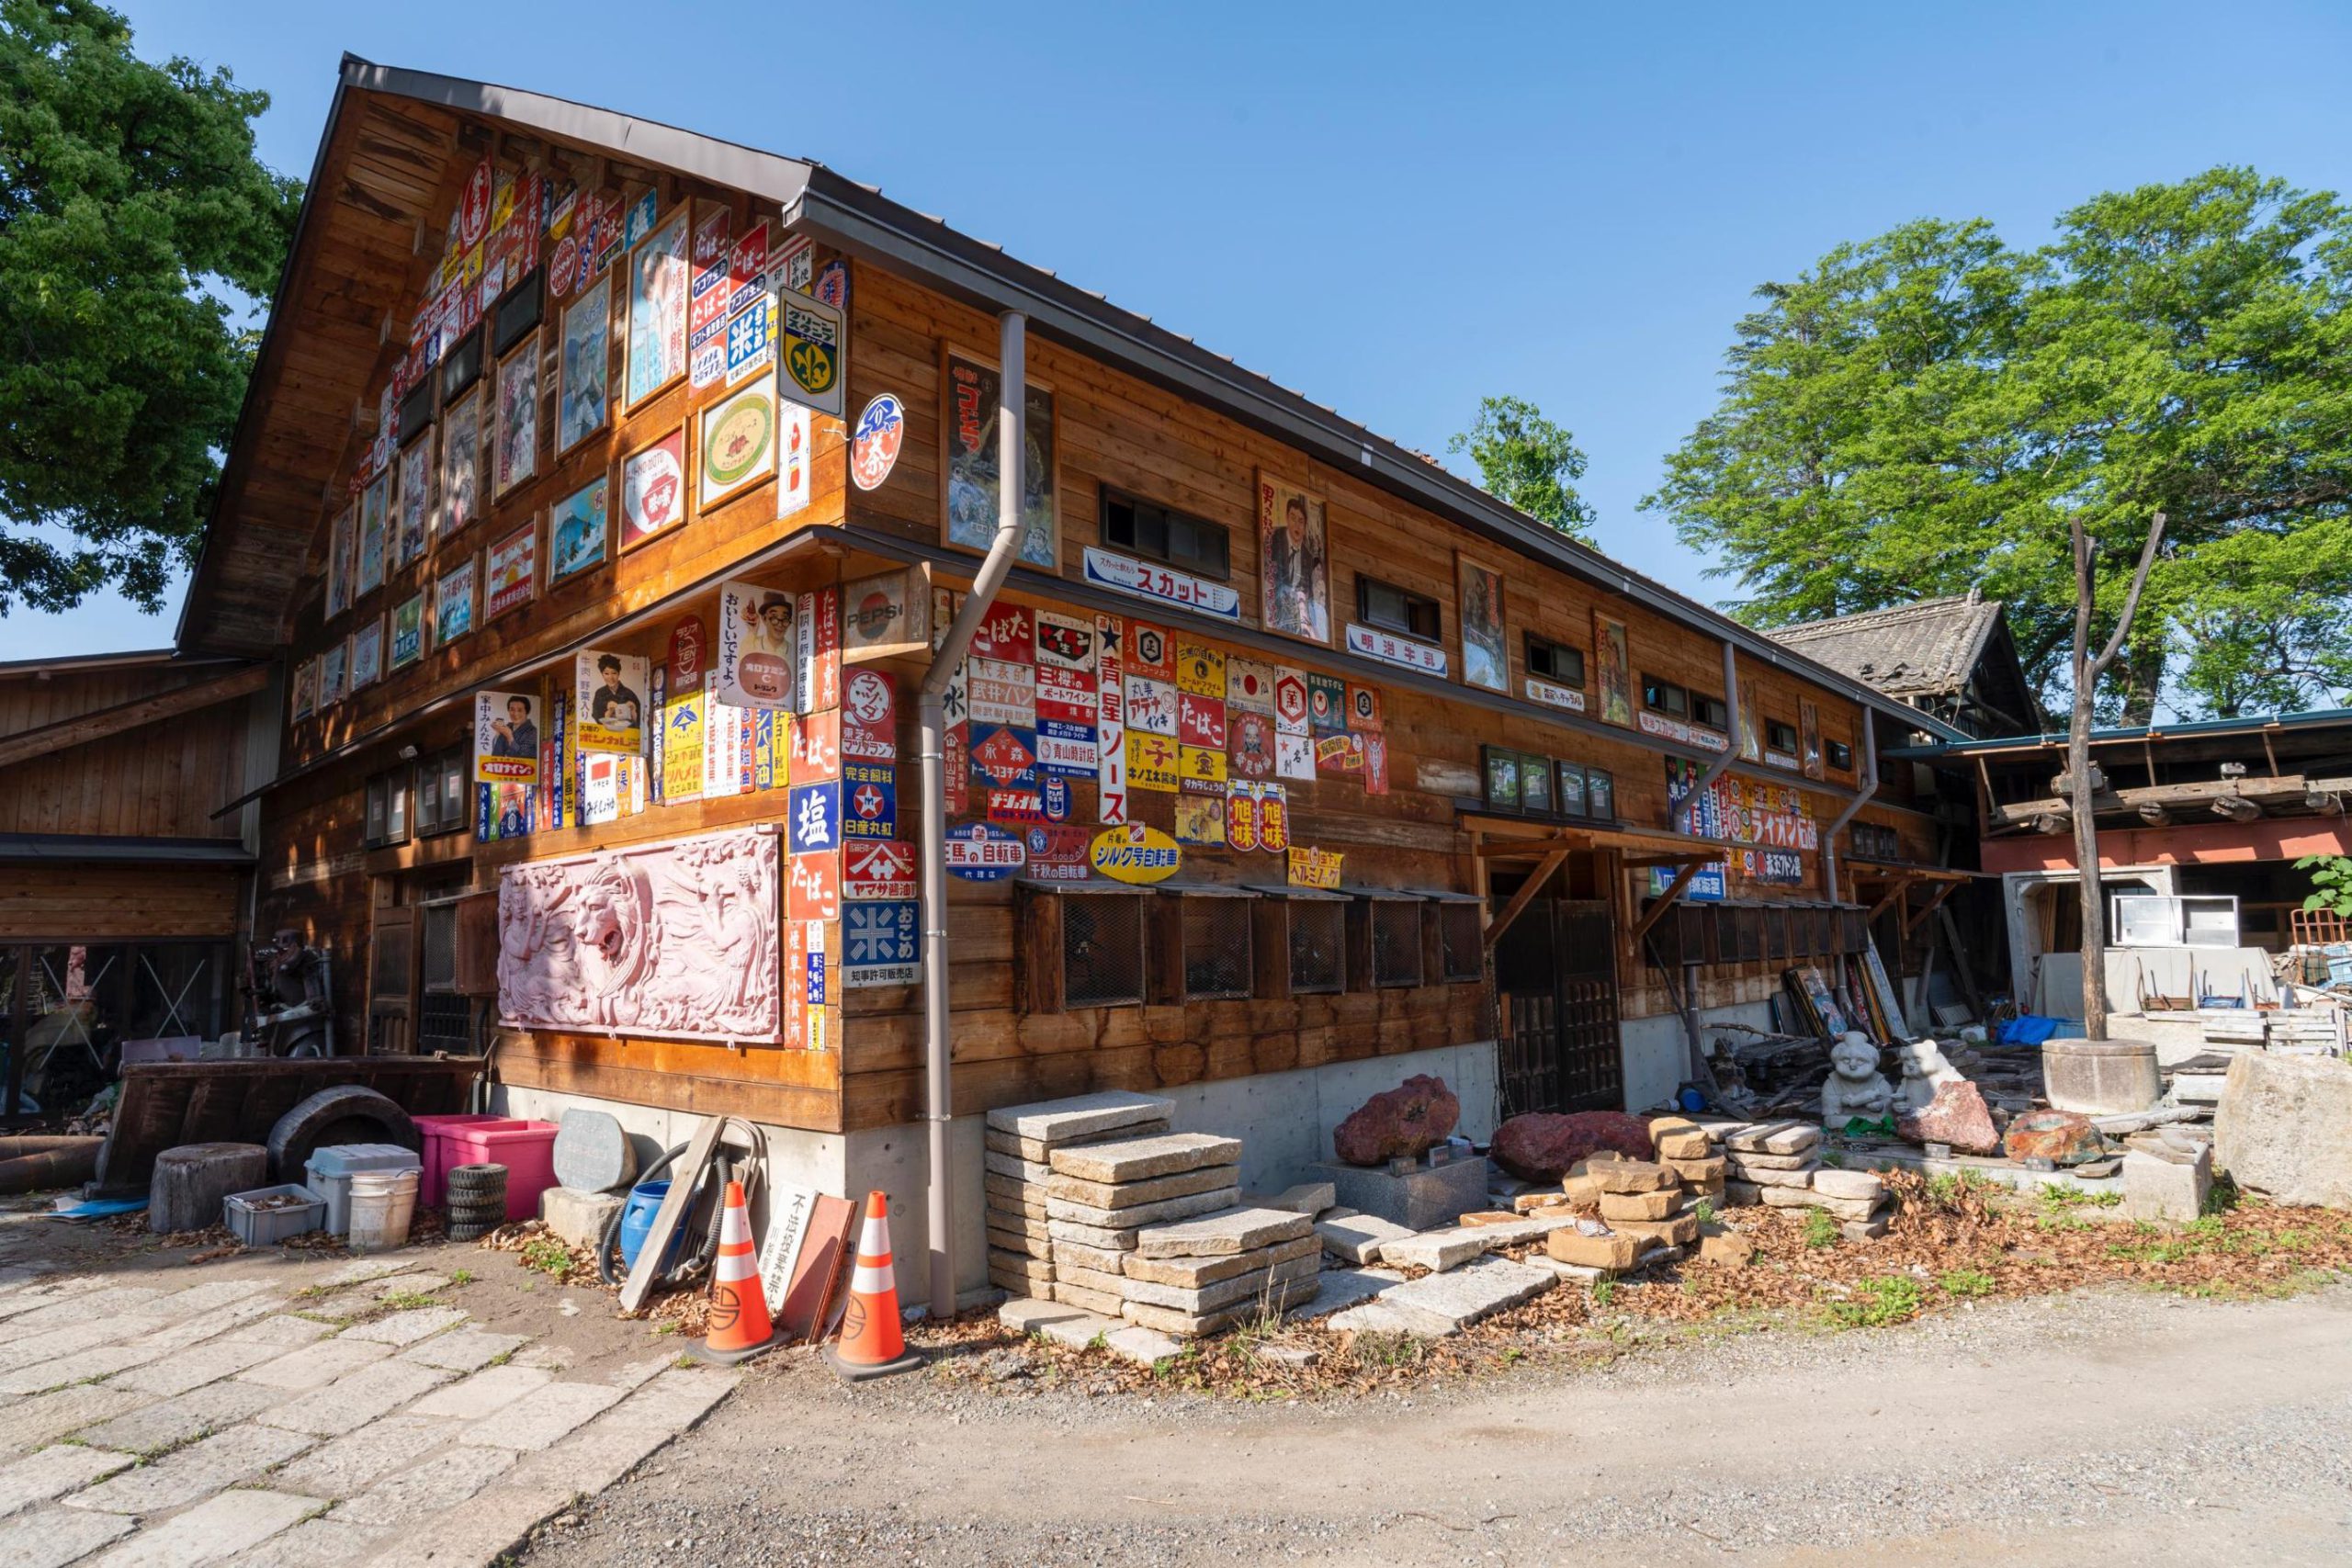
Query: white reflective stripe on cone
point(871, 1281)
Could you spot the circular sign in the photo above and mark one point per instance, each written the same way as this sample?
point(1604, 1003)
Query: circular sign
point(562, 265)
point(686, 653)
point(868, 697)
point(874, 450)
point(738, 443)
point(1136, 854)
point(652, 490)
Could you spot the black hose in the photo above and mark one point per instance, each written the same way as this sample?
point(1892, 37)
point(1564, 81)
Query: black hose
point(606, 1244)
point(713, 1186)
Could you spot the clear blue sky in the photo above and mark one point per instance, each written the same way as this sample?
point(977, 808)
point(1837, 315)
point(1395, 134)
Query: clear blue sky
point(1392, 209)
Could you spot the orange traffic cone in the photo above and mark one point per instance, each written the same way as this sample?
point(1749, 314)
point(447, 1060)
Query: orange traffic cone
point(739, 1327)
point(871, 1344)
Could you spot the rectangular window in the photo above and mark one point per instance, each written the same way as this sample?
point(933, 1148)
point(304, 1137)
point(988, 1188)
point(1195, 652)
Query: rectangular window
point(388, 808)
point(1780, 736)
point(1216, 950)
point(1841, 756)
point(461, 366)
point(1555, 661)
point(1711, 712)
point(444, 803)
point(1391, 608)
point(416, 411)
point(1664, 697)
point(1102, 949)
point(1461, 950)
point(517, 314)
point(1397, 941)
point(1144, 528)
point(1571, 801)
point(1599, 794)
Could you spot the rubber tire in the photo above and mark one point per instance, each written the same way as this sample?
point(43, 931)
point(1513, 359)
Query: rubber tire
point(346, 1114)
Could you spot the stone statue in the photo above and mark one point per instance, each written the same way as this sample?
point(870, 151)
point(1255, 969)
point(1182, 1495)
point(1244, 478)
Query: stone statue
point(1855, 1087)
point(1924, 1067)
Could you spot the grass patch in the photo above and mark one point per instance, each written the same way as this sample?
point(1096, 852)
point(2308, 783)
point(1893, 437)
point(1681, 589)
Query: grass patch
point(2056, 1195)
point(1964, 1282)
point(1704, 1211)
point(1820, 1230)
point(548, 1254)
point(1604, 1291)
point(461, 1276)
point(1376, 1349)
point(1950, 1191)
point(1878, 1302)
point(409, 1301)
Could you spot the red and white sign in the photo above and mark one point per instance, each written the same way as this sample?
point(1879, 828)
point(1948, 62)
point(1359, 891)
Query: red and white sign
point(1250, 684)
point(1066, 694)
point(874, 448)
point(877, 868)
point(1199, 721)
point(473, 206)
point(870, 716)
point(813, 887)
point(1002, 692)
point(1002, 758)
point(685, 652)
point(1005, 633)
point(1251, 742)
point(817, 747)
point(1023, 806)
point(1290, 700)
point(1065, 640)
point(1060, 854)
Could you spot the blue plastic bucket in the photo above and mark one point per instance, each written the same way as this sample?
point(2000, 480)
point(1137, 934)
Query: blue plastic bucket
point(637, 1222)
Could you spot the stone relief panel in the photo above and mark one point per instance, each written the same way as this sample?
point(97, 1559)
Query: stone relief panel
point(677, 939)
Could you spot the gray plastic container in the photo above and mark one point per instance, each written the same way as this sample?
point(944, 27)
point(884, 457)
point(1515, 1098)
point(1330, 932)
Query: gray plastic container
point(330, 1171)
point(258, 1226)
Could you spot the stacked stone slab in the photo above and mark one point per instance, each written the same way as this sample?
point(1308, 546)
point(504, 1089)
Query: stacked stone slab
point(1100, 1196)
point(1021, 1141)
point(1198, 1276)
point(1690, 1152)
point(1638, 1208)
point(1778, 1164)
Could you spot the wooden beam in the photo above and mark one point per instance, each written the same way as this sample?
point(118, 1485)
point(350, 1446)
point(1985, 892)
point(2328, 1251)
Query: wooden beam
point(1918, 916)
point(2236, 807)
point(1525, 896)
point(1892, 896)
point(82, 728)
point(1665, 900)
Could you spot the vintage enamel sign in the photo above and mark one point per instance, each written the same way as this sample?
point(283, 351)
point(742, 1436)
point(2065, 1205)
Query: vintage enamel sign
point(1136, 854)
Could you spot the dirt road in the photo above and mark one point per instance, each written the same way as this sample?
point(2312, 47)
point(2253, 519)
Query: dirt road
point(2133, 1426)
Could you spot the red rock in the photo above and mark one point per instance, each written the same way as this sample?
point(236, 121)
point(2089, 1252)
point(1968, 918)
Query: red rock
point(1541, 1146)
point(2063, 1137)
point(1415, 1115)
point(1958, 1116)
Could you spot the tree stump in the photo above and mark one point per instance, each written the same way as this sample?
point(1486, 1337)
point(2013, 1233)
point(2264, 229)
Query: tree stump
point(191, 1180)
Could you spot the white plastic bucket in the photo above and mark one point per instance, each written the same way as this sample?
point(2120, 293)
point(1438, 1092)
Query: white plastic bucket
point(382, 1204)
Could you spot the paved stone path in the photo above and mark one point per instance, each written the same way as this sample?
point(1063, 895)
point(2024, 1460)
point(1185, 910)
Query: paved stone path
point(254, 1423)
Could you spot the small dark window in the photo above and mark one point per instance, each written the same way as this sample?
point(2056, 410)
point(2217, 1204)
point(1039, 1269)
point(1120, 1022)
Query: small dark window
point(1144, 528)
point(416, 411)
point(516, 312)
point(1101, 950)
point(1780, 736)
point(1555, 661)
point(388, 808)
point(462, 367)
point(1841, 756)
point(1317, 944)
point(1536, 784)
point(1711, 712)
point(1215, 938)
point(444, 802)
point(1397, 941)
point(1462, 948)
point(1664, 697)
point(1570, 801)
point(1599, 794)
point(1391, 608)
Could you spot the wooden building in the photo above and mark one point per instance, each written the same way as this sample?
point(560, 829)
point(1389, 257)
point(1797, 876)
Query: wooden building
point(123, 888)
point(564, 418)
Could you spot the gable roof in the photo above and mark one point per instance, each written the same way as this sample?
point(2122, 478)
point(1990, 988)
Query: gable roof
point(388, 169)
point(1928, 649)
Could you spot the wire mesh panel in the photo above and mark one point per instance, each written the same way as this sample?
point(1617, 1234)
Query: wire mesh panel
point(1216, 937)
point(1397, 941)
point(1461, 953)
point(1319, 934)
point(1102, 949)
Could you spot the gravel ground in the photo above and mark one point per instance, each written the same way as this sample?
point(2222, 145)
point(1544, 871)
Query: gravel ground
point(2129, 1424)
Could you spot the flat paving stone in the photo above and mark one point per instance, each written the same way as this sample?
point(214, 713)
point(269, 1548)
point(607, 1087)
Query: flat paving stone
point(1358, 1239)
point(356, 1461)
point(47, 1474)
point(283, 1331)
point(50, 1537)
point(1344, 1288)
point(31, 1423)
point(483, 1531)
point(1135, 1159)
point(1052, 1121)
point(464, 1349)
point(217, 1528)
point(198, 1471)
point(609, 1448)
point(1140, 1344)
point(360, 1271)
point(354, 1400)
point(48, 1345)
point(486, 1393)
point(441, 1483)
point(408, 1328)
point(1436, 1250)
point(1445, 1303)
point(194, 1367)
point(104, 1361)
point(119, 1300)
point(539, 1419)
point(171, 1422)
point(315, 1366)
point(211, 1296)
point(218, 1322)
point(1223, 1233)
point(324, 1542)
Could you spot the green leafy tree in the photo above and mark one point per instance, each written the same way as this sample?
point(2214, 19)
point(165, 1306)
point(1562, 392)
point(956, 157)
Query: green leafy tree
point(136, 227)
point(2331, 884)
point(1525, 460)
point(1921, 414)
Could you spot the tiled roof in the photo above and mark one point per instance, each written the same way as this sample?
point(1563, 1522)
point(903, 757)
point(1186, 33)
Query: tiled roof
point(1928, 648)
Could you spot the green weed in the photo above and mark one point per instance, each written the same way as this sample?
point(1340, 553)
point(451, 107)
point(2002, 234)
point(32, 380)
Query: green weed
point(1966, 1282)
point(1878, 1302)
point(1820, 1230)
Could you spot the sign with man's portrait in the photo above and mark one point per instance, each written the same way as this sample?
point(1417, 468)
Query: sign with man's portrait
point(1294, 567)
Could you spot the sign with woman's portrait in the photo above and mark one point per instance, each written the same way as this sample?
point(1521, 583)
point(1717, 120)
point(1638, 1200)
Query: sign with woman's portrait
point(1486, 658)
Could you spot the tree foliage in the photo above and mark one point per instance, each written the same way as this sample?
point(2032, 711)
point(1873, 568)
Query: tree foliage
point(1525, 460)
point(132, 211)
point(1920, 413)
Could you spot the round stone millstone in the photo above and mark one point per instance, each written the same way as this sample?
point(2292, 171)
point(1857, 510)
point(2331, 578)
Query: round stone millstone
point(592, 1153)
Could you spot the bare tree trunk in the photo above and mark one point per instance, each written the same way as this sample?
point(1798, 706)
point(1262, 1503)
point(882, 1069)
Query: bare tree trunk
point(2082, 792)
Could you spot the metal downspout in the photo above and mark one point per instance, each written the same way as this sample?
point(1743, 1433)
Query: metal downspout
point(1870, 787)
point(938, 1102)
point(1690, 806)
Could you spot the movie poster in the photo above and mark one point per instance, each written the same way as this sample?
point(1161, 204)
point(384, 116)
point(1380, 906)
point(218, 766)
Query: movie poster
point(455, 599)
point(515, 452)
point(461, 463)
point(1615, 674)
point(581, 387)
point(416, 498)
point(973, 391)
point(608, 701)
point(657, 311)
point(374, 503)
point(1294, 571)
point(1486, 658)
point(339, 538)
point(513, 571)
point(408, 630)
point(576, 532)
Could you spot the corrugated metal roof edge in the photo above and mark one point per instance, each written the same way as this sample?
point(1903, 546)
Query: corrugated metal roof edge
point(2311, 718)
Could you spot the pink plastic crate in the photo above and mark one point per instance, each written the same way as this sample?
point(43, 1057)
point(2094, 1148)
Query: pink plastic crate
point(432, 1185)
point(525, 1148)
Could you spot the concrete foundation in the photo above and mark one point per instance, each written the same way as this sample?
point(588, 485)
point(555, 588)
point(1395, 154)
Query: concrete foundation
point(1656, 1051)
point(1422, 1198)
point(1285, 1119)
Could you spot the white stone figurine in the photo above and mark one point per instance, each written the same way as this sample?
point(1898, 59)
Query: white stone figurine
point(1855, 1086)
point(1924, 1067)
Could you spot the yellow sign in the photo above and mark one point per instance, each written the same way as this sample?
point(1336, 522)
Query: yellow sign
point(1151, 761)
point(1200, 670)
point(1136, 854)
point(682, 746)
point(1315, 868)
point(1203, 767)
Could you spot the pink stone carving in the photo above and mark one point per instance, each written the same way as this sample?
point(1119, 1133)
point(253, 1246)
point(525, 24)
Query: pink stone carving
point(677, 939)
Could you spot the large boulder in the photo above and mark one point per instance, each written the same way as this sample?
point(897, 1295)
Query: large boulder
point(1414, 1116)
point(1957, 1115)
point(1541, 1146)
point(2284, 1128)
point(2061, 1137)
